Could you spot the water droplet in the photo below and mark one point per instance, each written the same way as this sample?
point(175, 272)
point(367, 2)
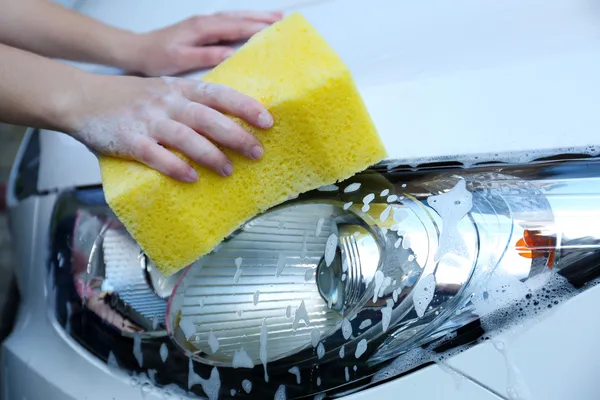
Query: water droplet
point(346, 328)
point(361, 347)
point(280, 393)
point(320, 351)
point(247, 386)
point(213, 342)
point(295, 371)
point(164, 352)
point(353, 187)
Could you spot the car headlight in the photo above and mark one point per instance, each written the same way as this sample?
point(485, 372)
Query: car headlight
point(321, 294)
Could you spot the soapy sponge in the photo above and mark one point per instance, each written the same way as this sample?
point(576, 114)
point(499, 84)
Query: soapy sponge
point(322, 134)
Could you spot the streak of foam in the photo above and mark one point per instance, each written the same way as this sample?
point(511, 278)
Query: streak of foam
point(300, 315)
point(241, 359)
point(451, 206)
point(423, 294)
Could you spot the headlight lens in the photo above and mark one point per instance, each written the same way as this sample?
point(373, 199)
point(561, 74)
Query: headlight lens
point(321, 293)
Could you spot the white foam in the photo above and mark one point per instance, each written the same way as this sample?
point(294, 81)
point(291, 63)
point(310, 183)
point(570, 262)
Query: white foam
point(400, 214)
point(330, 248)
point(233, 392)
point(319, 396)
point(238, 271)
point(353, 187)
point(346, 374)
point(348, 205)
point(423, 294)
point(395, 295)
point(346, 328)
point(164, 352)
point(318, 381)
point(281, 261)
point(342, 352)
point(187, 327)
point(406, 242)
point(385, 192)
point(355, 368)
point(393, 198)
point(398, 243)
point(263, 352)
point(288, 311)
point(241, 359)
point(319, 227)
point(247, 386)
point(452, 207)
point(308, 274)
point(411, 257)
point(137, 349)
point(328, 188)
point(361, 347)
point(201, 302)
point(320, 351)
point(386, 315)
point(213, 342)
point(300, 315)
point(212, 385)
point(365, 324)
point(379, 278)
point(365, 208)
point(385, 214)
point(315, 336)
point(255, 297)
point(280, 393)
point(295, 371)
point(368, 198)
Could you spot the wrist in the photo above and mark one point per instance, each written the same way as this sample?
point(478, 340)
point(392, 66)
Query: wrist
point(70, 105)
point(128, 52)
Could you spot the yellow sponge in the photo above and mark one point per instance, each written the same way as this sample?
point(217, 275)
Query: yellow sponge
point(322, 134)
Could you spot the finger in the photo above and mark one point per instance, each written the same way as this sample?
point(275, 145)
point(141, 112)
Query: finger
point(220, 129)
point(257, 16)
point(157, 157)
point(204, 57)
point(227, 100)
point(183, 138)
point(228, 29)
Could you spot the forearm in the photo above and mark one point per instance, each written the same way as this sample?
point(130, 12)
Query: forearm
point(37, 91)
point(49, 29)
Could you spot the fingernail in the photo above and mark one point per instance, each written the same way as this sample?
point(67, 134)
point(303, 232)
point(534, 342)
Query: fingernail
point(265, 120)
point(257, 152)
point(228, 169)
point(191, 176)
point(228, 53)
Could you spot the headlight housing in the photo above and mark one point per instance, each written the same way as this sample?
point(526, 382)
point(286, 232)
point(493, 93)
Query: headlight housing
point(321, 294)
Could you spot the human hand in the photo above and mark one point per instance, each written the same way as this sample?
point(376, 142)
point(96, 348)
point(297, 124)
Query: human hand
point(140, 118)
point(194, 42)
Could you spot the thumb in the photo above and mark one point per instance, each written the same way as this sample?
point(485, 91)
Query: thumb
point(205, 57)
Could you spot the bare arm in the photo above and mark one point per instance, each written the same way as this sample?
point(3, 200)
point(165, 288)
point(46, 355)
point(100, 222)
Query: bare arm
point(131, 117)
point(52, 30)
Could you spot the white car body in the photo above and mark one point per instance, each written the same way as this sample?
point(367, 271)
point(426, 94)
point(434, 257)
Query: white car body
point(454, 78)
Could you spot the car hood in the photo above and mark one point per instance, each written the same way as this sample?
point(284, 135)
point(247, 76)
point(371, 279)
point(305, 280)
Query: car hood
point(439, 78)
